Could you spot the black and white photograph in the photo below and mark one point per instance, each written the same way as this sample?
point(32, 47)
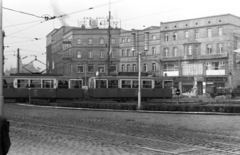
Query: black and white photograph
point(119, 77)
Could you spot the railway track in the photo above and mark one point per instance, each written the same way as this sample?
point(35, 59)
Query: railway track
point(168, 144)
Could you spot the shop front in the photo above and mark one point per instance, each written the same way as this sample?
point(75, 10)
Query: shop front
point(216, 81)
point(186, 84)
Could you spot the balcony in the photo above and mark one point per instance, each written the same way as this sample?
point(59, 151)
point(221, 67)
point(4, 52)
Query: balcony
point(171, 73)
point(216, 72)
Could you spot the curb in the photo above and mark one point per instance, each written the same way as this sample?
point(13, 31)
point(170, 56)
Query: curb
point(138, 111)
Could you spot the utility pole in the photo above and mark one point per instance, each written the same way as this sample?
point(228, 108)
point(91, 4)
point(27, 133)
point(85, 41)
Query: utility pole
point(109, 41)
point(18, 61)
point(1, 64)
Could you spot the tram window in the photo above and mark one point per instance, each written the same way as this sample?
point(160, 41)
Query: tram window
point(168, 84)
point(75, 84)
point(135, 84)
point(147, 84)
point(47, 83)
point(113, 84)
point(8, 83)
point(63, 84)
point(126, 83)
point(35, 83)
point(22, 83)
point(101, 84)
point(158, 84)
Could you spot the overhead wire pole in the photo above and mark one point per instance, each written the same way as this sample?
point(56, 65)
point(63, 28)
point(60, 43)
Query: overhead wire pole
point(1, 64)
point(18, 61)
point(109, 39)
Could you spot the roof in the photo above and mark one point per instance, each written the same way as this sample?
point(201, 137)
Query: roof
point(199, 18)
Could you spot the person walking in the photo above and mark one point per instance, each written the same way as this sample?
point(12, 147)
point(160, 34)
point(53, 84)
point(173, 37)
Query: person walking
point(5, 142)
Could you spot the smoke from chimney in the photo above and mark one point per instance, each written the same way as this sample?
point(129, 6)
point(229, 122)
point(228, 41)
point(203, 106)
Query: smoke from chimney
point(58, 12)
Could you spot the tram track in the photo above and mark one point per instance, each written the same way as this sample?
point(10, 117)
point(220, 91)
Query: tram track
point(168, 145)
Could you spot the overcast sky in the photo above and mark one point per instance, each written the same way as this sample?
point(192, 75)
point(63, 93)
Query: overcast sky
point(21, 29)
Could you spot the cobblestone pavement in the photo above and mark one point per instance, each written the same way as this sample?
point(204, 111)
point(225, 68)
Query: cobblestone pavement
point(49, 131)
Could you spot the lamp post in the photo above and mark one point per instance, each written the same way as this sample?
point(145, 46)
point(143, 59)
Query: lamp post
point(139, 80)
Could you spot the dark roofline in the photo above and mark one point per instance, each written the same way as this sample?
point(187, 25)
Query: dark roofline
point(199, 18)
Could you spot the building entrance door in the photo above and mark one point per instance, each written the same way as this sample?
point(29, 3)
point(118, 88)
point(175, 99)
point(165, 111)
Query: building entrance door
point(200, 87)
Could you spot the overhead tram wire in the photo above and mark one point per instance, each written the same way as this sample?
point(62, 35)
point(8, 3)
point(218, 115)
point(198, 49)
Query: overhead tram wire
point(26, 28)
point(36, 39)
point(21, 24)
point(98, 6)
point(163, 12)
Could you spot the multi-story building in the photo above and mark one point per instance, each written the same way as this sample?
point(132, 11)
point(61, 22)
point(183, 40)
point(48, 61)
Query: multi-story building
point(54, 50)
point(198, 53)
point(80, 52)
point(146, 42)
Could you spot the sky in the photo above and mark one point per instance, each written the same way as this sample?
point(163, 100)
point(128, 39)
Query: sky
point(26, 30)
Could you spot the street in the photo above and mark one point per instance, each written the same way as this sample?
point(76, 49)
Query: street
point(45, 131)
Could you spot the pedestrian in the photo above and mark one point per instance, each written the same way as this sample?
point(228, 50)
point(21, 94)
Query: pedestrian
point(5, 142)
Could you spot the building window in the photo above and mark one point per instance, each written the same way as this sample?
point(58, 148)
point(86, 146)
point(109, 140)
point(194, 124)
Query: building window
point(123, 68)
point(101, 68)
point(113, 41)
point(166, 37)
point(166, 52)
point(123, 40)
point(196, 34)
point(79, 55)
point(79, 41)
point(133, 53)
point(128, 40)
point(219, 31)
point(145, 66)
point(90, 54)
point(154, 67)
point(219, 48)
point(134, 69)
point(153, 50)
point(189, 50)
point(175, 51)
point(153, 37)
point(101, 54)
point(209, 49)
point(128, 68)
point(113, 54)
point(90, 68)
point(113, 68)
point(175, 37)
point(208, 66)
point(221, 65)
point(170, 67)
point(123, 53)
point(80, 68)
point(186, 34)
point(128, 52)
point(101, 41)
point(90, 41)
point(209, 32)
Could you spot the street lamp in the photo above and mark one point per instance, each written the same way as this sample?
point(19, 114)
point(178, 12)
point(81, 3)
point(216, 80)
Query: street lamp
point(139, 80)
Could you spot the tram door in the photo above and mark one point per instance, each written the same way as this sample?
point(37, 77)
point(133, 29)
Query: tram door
point(167, 84)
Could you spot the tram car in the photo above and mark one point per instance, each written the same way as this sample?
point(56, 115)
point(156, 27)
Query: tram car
point(41, 86)
point(123, 88)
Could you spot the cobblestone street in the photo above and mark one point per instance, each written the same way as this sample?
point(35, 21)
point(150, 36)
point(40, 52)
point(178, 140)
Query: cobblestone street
point(45, 131)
